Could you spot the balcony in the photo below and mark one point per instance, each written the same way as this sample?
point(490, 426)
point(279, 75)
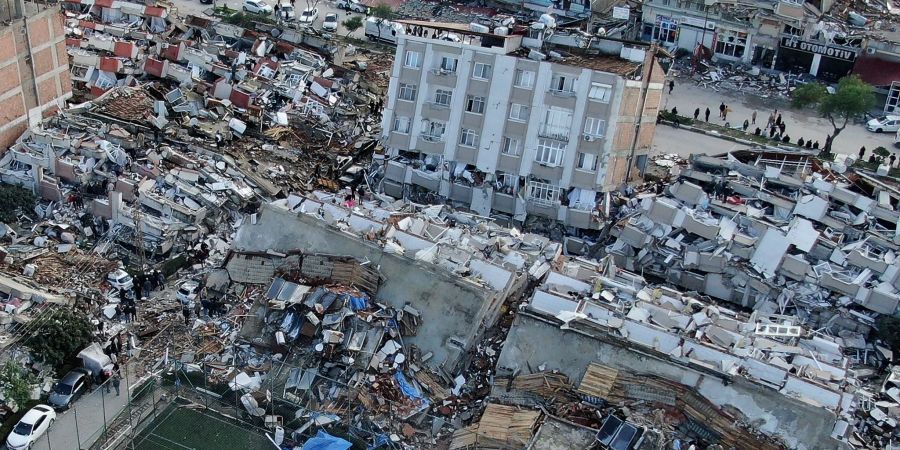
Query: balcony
point(581, 219)
point(395, 171)
point(427, 180)
point(440, 77)
point(543, 208)
point(559, 133)
point(431, 144)
point(562, 93)
point(504, 203)
point(461, 193)
point(466, 155)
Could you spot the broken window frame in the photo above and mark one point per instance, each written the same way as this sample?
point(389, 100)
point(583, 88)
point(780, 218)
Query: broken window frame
point(736, 48)
point(434, 131)
point(507, 183)
point(562, 83)
point(475, 104)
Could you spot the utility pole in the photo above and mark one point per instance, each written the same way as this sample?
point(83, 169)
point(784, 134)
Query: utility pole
point(646, 75)
point(138, 218)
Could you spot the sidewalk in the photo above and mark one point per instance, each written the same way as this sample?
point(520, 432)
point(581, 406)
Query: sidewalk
point(687, 96)
point(84, 422)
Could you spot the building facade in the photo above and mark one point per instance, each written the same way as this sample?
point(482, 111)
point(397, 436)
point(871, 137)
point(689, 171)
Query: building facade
point(34, 67)
point(500, 128)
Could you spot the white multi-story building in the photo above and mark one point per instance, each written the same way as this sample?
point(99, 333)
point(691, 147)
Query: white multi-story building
point(487, 121)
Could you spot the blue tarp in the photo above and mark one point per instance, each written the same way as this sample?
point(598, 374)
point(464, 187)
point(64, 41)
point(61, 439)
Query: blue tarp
point(380, 440)
point(358, 303)
point(407, 388)
point(325, 441)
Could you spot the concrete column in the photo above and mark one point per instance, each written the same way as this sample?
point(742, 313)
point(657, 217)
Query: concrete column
point(814, 67)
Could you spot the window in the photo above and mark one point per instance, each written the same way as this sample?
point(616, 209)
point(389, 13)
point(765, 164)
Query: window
point(550, 152)
point(511, 146)
point(557, 124)
point(408, 92)
point(442, 97)
point(507, 183)
point(481, 71)
point(562, 83)
point(401, 124)
point(518, 112)
point(524, 79)
point(434, 131)
point(586, 161)
point(594, 126)
point(475, 104)
point(543, 193)
point(411, 60)
point(666, 31)
point(448, 64)
point(600, 92)
point(468, 138)
point(731, 43)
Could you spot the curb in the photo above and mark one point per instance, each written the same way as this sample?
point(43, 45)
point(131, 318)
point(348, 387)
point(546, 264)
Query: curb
point(716, 134)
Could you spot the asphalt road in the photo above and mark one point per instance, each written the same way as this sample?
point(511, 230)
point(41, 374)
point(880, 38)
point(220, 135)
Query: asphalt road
point(195, 8)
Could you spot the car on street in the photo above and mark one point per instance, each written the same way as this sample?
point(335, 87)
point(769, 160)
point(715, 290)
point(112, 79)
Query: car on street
point(308, 16)
point(330, 22)
point(884, 123)
point(352, 5)
point(257, 7)
point(206, 2)
point(120, 279)
point(69, 388)
point(187, 293)
point(286, 12)
point(31, 426)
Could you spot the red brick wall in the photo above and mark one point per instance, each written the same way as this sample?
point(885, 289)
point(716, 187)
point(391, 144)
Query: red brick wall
point(47, 90)
point(9, 78)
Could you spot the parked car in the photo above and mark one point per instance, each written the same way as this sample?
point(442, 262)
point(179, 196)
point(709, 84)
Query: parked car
point(308, 16)
point(206, 2)
point(257, 6)
point(383, 30)
point(884, 123)
point(352, 5)
point(120, 279)
point(33, 424)
point(286, 11)
point(330, 22)
point(188, 292)
point(69, 388)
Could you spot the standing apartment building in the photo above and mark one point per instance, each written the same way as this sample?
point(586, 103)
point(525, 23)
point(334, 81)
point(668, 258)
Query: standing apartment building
point(34, 67)
point(515, 122)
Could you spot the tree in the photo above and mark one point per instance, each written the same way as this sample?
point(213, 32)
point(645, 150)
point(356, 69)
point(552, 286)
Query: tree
point(882, 153)
point(59, 335)
point(16, 383)
point(352, 24)
point(888, 330)
point(381, 13)
point(852, 98)
point(15, 200)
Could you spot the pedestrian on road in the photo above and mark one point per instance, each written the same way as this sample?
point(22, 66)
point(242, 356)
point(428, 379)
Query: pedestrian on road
point(800, 142)
point(771, 120)
point(696, 113)
point(782, 127)
point(778, 120)
point(816, 145)
point(722, 110)
point(771, 132)
point(746, 125)
point(725, 113)
point(786, 139)
point(753, 117)
point(671, 85)
point(707, 114)
point(186, 312)
point(674, 110)
point(862, 152)
point(116, 381)
point(758, 131)
point(809, 144)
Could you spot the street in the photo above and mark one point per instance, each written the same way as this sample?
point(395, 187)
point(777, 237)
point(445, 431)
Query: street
point(804, 124)
point(84, 422)
point(195, 8)
point(684, 143)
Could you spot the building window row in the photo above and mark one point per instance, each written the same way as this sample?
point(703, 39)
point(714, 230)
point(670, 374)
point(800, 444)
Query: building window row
point(600, 92)
point(550, 152)
point(481, 71)
point(511, 146)
point(586, 161)
point(401, 124)
point(412, 60)
point(468, 138)
point(434, 131)
point(731, 43)
point(408, 92)
point(518, 112)
point(562, 83)
point(524, 79)
point(543, 193)
point(448, 64)
point(443, 97)
point(475, 104)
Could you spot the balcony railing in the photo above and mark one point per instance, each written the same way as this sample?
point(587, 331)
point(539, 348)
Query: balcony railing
point(554, 132)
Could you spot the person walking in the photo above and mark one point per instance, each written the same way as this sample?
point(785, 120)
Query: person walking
point(696, 113)
point(707, 114)
point(671, 85)
point(722, 110)
point(753, 117)
point(746, 125)
point(725, 113)
point(800, 142)
point(782, 127)
point(862, 152)
point(116, 382)
point(186, 312)
point(778, 120)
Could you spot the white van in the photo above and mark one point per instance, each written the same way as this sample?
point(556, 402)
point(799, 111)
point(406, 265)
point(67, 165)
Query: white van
point(383, 30)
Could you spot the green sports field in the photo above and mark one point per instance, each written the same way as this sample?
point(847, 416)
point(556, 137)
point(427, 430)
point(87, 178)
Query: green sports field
point(183, 428)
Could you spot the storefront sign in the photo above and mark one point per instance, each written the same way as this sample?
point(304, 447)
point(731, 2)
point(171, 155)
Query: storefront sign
point(621, 12)
point(698, 22)
point(822, 49)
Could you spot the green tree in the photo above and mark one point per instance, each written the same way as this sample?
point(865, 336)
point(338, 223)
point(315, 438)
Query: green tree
point(16, 383)
point(352, 24)
point(852, 98)
point(888, 330)
point(59, 335)
point(381, 13)
point(881, 153)
point(15, 200)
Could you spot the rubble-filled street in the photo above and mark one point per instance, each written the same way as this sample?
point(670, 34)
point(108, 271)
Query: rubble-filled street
point(415, 224)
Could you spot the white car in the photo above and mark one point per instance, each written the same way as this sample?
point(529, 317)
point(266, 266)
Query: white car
point(884, 123)
point(120, 279)
point(308, 16)
point(286, 12)
point(187, 293)
point(32, 425)
point(330, 22)
point(257, 6)
point(352, 5)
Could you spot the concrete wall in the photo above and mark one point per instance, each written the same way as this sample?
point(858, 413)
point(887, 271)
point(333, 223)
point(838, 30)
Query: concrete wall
point(450, 307)
point(34, 71)
point(536, 342)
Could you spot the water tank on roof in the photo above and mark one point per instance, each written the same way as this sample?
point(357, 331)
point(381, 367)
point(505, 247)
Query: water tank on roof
point(479, 28)
point(536, 55)
point(501, 31)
